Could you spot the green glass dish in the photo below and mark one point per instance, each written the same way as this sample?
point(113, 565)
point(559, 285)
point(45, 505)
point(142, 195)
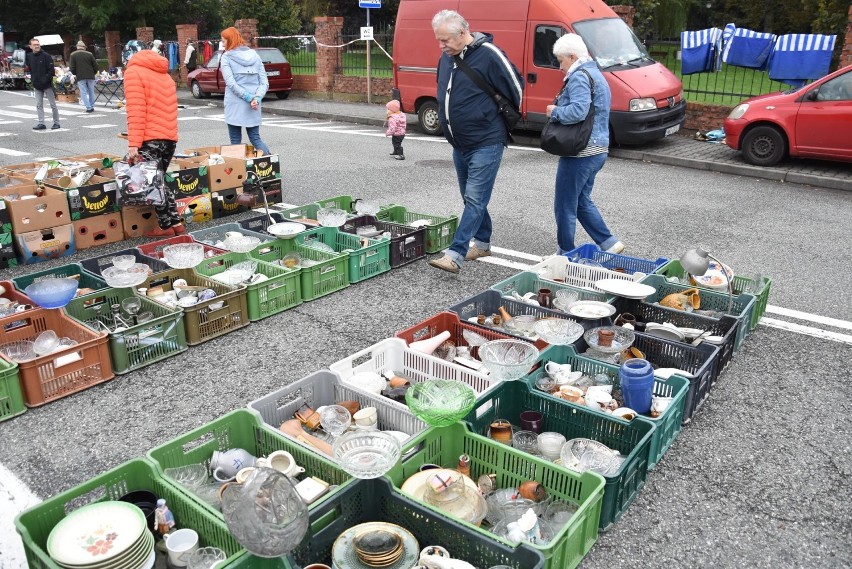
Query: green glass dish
point(438, 402)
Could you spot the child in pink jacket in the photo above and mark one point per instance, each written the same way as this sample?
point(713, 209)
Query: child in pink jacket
point(396, 128)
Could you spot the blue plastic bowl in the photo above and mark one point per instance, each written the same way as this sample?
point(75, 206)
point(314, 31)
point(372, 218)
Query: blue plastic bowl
point(52, 293)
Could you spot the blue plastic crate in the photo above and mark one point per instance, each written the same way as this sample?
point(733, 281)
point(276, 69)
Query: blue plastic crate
point(613, 261)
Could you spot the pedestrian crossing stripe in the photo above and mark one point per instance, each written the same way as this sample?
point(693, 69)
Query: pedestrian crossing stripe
point(10, 152)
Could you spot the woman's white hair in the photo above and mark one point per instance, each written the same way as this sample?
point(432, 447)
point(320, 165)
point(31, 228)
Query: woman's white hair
point(452, 20)
point(570, 44)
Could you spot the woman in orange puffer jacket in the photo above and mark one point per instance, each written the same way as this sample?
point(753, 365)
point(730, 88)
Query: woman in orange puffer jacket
point(152, 129)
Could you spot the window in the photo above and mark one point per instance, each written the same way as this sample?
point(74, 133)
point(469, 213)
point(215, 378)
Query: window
point(838, 89)
point(214, 61)
point(271, 56)
point(545, 37)
point(612, 43)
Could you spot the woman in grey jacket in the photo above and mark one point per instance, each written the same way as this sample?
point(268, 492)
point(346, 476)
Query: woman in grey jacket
point(246, 85)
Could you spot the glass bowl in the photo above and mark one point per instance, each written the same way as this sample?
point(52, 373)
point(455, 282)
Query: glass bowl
point(123, 278)
point(241, 243)
point(524, 323)
point(565, 298)
point(558, 331)
point(363, 207)
point(52, 293)
point(331, 217)
point(291, 260)
point(286, 229)
point(123, 261)
point(366, 454)
point(439, 402)
point(583, 454)
point(207, 558)
point(183, 255)
point(622, 339)
point(508, 360)
point(18, 351)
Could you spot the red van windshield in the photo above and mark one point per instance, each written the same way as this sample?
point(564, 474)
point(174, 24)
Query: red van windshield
point(612, 43)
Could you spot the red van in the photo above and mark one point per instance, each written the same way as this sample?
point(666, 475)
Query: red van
point(647, 98)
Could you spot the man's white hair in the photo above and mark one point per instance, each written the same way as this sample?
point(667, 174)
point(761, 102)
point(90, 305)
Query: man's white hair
point(452, 20)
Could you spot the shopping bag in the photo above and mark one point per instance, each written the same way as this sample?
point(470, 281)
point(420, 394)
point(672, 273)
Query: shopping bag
point(139, 183)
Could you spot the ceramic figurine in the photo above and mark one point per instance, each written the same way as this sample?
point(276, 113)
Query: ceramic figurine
point(164, 520)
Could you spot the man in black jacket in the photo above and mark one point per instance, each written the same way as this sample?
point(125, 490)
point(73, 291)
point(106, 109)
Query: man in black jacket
point(474, 127)
point(40, 66)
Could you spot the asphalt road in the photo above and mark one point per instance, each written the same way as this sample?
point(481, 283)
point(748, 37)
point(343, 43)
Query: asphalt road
point(760, 478)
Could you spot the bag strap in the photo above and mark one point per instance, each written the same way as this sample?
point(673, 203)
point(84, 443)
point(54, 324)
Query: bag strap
point(565, 86)
point(476, 77)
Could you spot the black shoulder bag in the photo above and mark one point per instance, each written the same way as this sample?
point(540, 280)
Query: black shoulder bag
point(569, 139)
point(510, 114)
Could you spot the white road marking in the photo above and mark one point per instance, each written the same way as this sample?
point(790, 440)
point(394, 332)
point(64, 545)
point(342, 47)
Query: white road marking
point(44, 159)
point(99, 126)
point(519, 254)
point(505, 263)
point(806, 330)
point(8, 134)
point(191, 118)
point(825, 320)
point(58, 108)
point(15, 497)
point(10, 152)
point(31, 116)
point(10, 122)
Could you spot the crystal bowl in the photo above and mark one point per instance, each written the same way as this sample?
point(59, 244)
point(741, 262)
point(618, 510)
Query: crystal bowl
point(52, 293)
point(123, 261)
point(439, 402)
point(241, 243)
point(183, 255)
point(123, 278)
point(366, 454)
point(508, 360)
point(331, 217)
point(583, 454)
point(285, 229)
point(621, 340)
point(524, 323)
point(19, 351)
point(558, 331)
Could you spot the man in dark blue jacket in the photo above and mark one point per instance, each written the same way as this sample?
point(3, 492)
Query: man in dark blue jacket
point(40, 65)
point(473, 126)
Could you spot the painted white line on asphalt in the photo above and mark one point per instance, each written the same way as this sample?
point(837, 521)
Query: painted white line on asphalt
point(5, 113)
point(8, 134)
point(15, 497)
point(518, 254)
point(191, 118)
point(10, 122)
point(44, 159)
point(99, 126)
point(10, 152)
point(806, 330)
point(816, 318)
point(504, 263)
point(59, 109)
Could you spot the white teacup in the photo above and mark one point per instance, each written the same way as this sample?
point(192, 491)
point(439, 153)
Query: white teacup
point(181, 544)
point(366, 417)
point(562, 373)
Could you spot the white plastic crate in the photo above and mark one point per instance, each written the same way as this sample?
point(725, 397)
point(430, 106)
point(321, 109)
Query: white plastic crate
point(559, 269)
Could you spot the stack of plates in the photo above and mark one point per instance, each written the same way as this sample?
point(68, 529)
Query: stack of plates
point(375, 544)
point(105, 535)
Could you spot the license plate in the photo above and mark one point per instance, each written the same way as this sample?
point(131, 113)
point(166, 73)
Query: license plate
point(672, 129)
point(273, 73)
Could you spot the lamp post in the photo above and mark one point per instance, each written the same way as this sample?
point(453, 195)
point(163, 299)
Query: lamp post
point(697, 261)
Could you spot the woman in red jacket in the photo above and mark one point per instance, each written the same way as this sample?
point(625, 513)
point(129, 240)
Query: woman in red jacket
point(152, 129)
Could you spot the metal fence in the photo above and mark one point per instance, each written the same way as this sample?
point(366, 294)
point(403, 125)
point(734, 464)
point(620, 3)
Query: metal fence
point(728, 86)
point(353, 60)
point(300, 52)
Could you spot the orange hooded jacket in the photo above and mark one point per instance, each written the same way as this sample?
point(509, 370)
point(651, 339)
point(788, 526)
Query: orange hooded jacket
point(151, 98)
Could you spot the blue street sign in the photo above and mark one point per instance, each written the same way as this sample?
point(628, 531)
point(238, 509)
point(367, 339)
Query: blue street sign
point(370, 4)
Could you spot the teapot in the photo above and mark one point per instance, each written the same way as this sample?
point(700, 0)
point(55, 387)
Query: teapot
point(225, 465)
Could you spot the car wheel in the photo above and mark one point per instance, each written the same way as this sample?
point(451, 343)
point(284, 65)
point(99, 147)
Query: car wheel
point(764, 146)
point(282, 94)
point(428, 117)
point(197, 92)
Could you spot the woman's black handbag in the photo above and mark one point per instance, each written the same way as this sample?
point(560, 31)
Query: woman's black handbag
point(569, 139)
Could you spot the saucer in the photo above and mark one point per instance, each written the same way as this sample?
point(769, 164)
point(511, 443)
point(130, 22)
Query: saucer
point(626, 289)
point(591, 309)
point(343, 554)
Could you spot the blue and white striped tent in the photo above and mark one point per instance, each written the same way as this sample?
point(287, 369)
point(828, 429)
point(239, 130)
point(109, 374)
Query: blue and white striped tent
point(748, 48)
point(799, 57)
point(698, 50)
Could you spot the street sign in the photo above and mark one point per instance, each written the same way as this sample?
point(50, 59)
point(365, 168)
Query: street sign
point(375, 4)
point(367, 33)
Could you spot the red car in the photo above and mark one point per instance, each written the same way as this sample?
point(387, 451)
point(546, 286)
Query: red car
point(208, 79)
point(814, 121)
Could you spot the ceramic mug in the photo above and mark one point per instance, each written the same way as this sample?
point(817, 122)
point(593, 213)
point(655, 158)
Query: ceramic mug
point(181, 544)
point(532, 421)
point(366, 417)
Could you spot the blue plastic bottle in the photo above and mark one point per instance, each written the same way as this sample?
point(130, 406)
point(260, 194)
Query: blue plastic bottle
point(637, 384)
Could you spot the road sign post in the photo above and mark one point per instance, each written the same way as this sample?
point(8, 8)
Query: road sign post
point(367, 36)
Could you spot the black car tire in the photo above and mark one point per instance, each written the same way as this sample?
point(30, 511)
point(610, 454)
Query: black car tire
point(197, 92)
point(282, 94)
point(764, 146)
point(427, 115)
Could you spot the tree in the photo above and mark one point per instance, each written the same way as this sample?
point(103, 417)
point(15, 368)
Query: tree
point(274, 17)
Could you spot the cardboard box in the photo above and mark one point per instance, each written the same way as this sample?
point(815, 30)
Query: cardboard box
point(266, 167)
point(5, 218)
point(11, 180)
point(38, 212)
point(8, 256)
point(225, 203)
point(98, 196)
point(98, 230)
point(190, 178)
point(274, 195)
point(229, 175)
point(98, 160)
point(27, 169)
point(45, 244)
point(137, 220)
point(200, 206)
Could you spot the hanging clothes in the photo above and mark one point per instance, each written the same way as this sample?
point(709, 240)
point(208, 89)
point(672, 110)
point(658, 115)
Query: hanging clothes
point(748, 48)
point(208, 51)
point(698, 50)
point(799, 57)
point(190, 60)
point(173, 56)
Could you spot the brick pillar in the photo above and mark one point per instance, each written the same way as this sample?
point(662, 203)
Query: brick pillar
point(626, 13)
point(113, 47)
point(248, 29)
point(846, 54)
point(327, 32)
point(145, 35)
point(185, 32)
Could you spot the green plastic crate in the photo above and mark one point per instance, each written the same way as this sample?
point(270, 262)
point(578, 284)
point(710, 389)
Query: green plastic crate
point(367, 257)
point(35, 524)
point(527, 281)
point(668, 425)
point(328, 275)
point(444, 445)
point(249, 561)
point(741, 284)
point(71, 270)
point(11, 396)
point(742, 305)
point(281, 290)
point(439, 232)
point(241, 429)
point(632, 439)
point(305, 211)
point(161, 337)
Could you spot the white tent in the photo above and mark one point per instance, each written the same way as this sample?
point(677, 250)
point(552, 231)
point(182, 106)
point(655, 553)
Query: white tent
point(50, 39)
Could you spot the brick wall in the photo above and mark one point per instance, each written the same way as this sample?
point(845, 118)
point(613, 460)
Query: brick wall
point(626, 13)
point(145, 35)
point(112, 39)
point(305, 83)
point(327, 31)
point(704, 117)
point(248, 29)
point(358, 85)
point(185, 32)
point(846, 54)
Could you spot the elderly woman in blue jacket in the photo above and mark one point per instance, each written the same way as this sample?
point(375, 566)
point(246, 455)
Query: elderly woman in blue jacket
point(575, 175)
point(246, 85)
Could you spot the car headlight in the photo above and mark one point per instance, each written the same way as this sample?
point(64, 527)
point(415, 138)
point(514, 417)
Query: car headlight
point(738, 111)
point(647, 104)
